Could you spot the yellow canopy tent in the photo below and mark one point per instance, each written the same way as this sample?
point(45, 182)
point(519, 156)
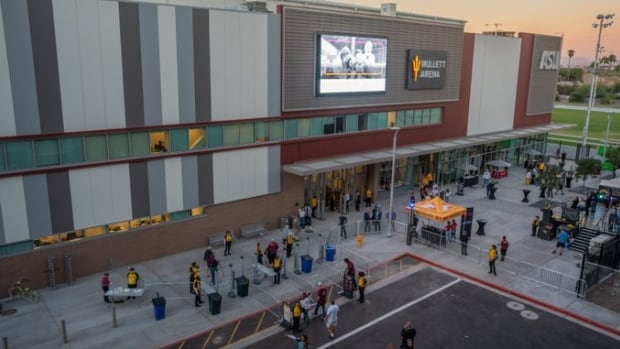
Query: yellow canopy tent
point(437, 209)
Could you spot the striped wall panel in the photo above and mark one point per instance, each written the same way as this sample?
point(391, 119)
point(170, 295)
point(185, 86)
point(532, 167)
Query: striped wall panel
point(174, 184)
point(7, 121)
point(131, 54)
point(185, 64)
point(37, 205)
point(151, 81)
point(13, 209)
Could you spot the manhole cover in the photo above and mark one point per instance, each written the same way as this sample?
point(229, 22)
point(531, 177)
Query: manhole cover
point(515, 306)
point(530, 315)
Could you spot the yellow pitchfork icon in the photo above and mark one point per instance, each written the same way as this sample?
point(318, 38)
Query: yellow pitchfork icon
point(415, 65)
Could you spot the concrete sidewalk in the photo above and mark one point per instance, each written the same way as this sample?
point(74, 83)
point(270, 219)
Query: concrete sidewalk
point(89, 320)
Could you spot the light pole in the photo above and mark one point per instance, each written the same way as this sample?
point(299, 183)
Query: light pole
point(604, 22)
point(607, 133)
point(395, 129)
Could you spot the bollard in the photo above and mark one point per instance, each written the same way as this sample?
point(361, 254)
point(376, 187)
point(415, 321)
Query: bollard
point(113, 315)
point(296, 269)
point(360, 240)
point(64, 331)
point(5, 342)
point(321, 250)
point(69, 269)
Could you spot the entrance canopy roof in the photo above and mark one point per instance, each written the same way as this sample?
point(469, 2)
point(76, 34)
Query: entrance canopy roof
point(306, 168)
point(438, 210)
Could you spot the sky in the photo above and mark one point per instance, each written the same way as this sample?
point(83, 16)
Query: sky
point(571, 19)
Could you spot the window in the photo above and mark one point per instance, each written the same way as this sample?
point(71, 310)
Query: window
point(214, 136)
point(261, 130)
point(19, 155)
point(316, 126)
point(352, 123)
point(340, 120)
point(426, 116)
point(417, 117)
point(436, 115)
point(197, 138)
point(303, 127)
point(96, 149)
point(2, 159)
point(246, 133)
point(409, 117)
point(373, 121)
point(179, 139)
point(140, 144)
point(276, 130)
point(72, 150)
point(231, 134)
point(362, 122)
point(180, 215)
point(159, 142)
point(46, 152)
point(291, 129)
point(119, 146)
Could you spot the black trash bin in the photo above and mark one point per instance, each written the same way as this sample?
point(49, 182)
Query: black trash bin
point(243, 286)
point(215, 303)
point(159, 307)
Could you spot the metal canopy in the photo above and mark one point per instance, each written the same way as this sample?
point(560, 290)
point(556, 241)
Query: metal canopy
point(306, 168)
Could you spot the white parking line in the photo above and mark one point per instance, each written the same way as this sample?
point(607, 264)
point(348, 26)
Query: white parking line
point(385, 316)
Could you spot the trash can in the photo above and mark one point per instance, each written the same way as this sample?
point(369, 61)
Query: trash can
point(159, 307)
point(306, 263)
point(330, 253)
point(243, 286)
point(215, 303)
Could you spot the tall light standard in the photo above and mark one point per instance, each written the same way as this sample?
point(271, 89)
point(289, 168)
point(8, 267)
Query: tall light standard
point(607, 133)
point(395, 129)
point(604, 22)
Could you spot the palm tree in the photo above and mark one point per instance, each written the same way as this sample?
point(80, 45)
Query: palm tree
point(571, 53)
point(612, 59)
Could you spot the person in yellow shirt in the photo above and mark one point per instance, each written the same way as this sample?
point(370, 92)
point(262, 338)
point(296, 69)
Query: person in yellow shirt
point(197, 297)
point(492, 259)
point(132, 280)
point(368, 197)
point(290, 240)
point(259, 254)
point(361, 285)
point(296, 317)
point(193, 270)
point(228, 239)
point(314, 203)
point(277, 266)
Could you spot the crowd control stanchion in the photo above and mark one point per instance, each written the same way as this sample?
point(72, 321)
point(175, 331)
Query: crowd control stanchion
point(231, 293)
point(256, 279)
point(296, 263)
point(321, 250)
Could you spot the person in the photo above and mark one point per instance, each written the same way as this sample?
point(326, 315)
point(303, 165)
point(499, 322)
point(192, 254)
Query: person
point(212, 263)
point(464, 239)
point(392, 218)
point(132, 280)
point(302, 342)
point(290, 241)
point(575, 203)
point(562, 240)
point(350, 269)
point(301, 213)
point(448, 229)
point(306, 303)
point(193, 270)
point(331, 319)
point(528, 177)
point(296, 317)
point(409, 344)
point(277, 266)
point(535, 224)
point(569, 176)
point(377, 217)
point(453, 226)
point(228, 240)
point(314, 203)
point(259, 254)
point(486, 177)
point(361, 285)
point(321, 299)
point(308, 216)
point(358, 200)
point(367, 220)
point(503, 248)
point(197, 296)
point(407, 333)
point(105, 286)
point(492, 258)
point(272, 251)
point(343, 226)
point(368, 56)
point(368, 197)
point(447, 194)
point(347, 201)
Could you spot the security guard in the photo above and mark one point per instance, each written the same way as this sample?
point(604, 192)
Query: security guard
point(361, 285)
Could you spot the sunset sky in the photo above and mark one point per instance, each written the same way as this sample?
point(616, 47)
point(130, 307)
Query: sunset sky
point(572, 18)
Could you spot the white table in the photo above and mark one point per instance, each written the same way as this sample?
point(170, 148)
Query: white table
point(122, 292)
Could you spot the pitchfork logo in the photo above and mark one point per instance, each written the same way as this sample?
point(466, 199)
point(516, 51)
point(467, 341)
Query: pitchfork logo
point(415, 67)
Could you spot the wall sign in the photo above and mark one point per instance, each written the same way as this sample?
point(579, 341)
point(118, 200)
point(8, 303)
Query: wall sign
point(426, 69)
point(549, 60)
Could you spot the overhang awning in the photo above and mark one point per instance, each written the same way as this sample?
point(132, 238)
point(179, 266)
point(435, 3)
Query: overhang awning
point(306, 168)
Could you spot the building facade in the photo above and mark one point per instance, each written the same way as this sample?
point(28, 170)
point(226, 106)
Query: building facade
point(132, 130)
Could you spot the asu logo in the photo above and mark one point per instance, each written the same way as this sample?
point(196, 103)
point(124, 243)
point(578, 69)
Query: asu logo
point(415, 67)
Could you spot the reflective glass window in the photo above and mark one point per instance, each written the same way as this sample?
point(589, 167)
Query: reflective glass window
point(246, 133)
point(426, 116)
point(214, 136)
point(46, 152)
point(159, 142)
point(261, 130)
point(382, 120)
point(2, 158)
point(179, 139)
point(19, 155)
point(197, 138)
point(417, 117)
point(303, 127)
point(140, 144)
point(340, 124)
point(72, 150)
point(373, 121)
point(119, 146)
point(316, 127)
point(352, 123)
point(409, 118)
point(276, 130)
point(291, 128)
point(436, 115)
point(96, 148)
point(231, 135)
point(180, 215)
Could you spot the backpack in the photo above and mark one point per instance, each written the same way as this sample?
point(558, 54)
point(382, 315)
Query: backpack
point(211, 261)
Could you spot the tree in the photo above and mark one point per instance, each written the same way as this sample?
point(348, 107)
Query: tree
point(549, 179)
point(587, 167)
point(571, 53)
point(613, 156)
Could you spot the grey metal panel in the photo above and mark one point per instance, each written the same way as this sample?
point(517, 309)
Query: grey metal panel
point(2, 238)
point(149, 48)
point(37, 205)
point(541, 92)
point(45, 60)
point(273, 170)
point(61, 207)
point(157, 186)
point(132, 64)
point(299, 33)
point(21, 66)
point(205, 179)
point(139, 186)
point(185, 63)
point(273, 66)
point(189, 168)
point(202, 74)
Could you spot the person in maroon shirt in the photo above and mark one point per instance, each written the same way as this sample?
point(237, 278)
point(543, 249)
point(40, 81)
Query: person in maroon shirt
point(503, 248)
point(105, 286)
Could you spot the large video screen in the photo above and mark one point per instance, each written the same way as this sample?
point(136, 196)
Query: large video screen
point(351, 64)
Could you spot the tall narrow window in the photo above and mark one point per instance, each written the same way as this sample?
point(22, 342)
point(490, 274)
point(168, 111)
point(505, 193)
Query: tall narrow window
point(214, 136)
point(246, 133)
point(179, 140)
point(276, 130)
point(19, 155)
point(119, 146)
point(72, 150)
point(46, 152)
point(140, 143)
point(197, 138)
point(231, 135)
point(96, 148)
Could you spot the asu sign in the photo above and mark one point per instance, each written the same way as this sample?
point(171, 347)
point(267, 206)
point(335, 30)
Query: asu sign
point(426, 69)
point(549, 60)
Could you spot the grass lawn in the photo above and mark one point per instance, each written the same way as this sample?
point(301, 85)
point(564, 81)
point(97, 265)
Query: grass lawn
point(597, 127)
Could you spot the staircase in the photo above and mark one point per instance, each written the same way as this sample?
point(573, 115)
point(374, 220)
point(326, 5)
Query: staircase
point(582, 241)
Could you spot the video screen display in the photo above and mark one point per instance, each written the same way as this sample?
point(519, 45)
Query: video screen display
point(351, 64)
